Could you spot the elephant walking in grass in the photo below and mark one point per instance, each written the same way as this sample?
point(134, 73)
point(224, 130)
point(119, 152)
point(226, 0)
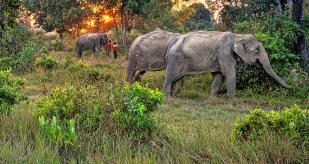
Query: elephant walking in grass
point(147, 53)
point(215, 52)
point(91, 41)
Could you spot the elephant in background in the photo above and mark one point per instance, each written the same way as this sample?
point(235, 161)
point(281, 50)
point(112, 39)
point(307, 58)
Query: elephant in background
point(147, 53)
point(215, 52)
point(91, 41)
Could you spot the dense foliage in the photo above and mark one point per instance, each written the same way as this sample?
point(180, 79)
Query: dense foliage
point(22, 61)
point(17, 50)
point(293, 122)
point(14, 40)
point(134, 113)
point(82, 105)
point(60, 15)
point(47, 62)
point(87, 73)
point(9, 91)
point(240, 10)
point(9, 11)
point(200, 20)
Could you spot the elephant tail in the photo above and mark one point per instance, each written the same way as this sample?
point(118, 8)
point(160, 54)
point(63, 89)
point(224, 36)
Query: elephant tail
point(171, 41)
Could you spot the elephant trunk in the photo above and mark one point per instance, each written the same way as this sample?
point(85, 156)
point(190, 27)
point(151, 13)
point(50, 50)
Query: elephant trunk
point(264, 61)
point(131, 72)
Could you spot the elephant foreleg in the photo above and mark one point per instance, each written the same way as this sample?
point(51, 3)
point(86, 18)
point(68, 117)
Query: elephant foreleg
point(228, 68)
point(79, 53)
point(95, 50)
point(216, 83)
point(138, 77)
point(231, 83)
point(173, 87)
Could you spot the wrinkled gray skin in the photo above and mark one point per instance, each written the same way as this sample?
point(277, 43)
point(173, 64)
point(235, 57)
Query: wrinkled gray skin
point(91, 41)
point(215, 52)
point(147, 53)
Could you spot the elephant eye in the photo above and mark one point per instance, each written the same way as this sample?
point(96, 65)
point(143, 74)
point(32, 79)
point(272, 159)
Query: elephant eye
point(257, 50)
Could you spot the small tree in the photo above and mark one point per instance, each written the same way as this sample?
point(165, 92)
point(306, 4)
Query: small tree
point(59, 15)
point(8, 13)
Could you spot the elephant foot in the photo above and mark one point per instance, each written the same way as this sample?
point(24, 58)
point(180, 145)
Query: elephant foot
point(215, 93)
point(231, 96)
point(169, 99)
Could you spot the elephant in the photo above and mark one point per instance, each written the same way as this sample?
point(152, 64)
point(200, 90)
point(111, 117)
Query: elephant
point(91, 41)
point(217, 53)
point(147, 53)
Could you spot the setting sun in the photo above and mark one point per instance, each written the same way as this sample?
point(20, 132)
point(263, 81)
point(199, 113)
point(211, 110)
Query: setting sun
point(106, 18)
point(83, 30)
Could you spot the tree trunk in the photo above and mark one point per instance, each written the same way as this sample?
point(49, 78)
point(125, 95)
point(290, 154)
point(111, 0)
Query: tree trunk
point(116, 25)
point(123, 22)
point(279, 6)
point(300, 46)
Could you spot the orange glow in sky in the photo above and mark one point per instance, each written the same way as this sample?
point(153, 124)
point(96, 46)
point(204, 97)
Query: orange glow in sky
point(91, 22)
point(83, 31)
point(106, 18)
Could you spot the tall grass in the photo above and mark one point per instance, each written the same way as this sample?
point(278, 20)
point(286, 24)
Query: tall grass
point(194, 127)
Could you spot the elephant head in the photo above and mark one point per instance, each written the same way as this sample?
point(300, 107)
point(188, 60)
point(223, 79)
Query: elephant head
point(251, 51)
point(103, 38)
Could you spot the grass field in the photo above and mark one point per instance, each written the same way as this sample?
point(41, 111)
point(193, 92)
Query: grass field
point(196, 127)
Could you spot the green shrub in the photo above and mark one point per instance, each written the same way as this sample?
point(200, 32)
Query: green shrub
point(14, 40)
point(58, 134)
point(88, 73)
point(292, 122)
point(72, 48)
point(55, 45)
point(83, 105)
point(68, 61)
point(9, 91)
point(22, 61)
point(47, 62)
point(133, 113)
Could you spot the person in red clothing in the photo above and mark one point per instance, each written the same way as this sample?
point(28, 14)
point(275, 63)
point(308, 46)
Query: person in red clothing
point(108, 47)
point(115, 49)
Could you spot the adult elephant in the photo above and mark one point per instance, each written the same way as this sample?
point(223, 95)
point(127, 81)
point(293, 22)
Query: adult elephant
point(147, 53)
point(91, 41)
point(215, 52)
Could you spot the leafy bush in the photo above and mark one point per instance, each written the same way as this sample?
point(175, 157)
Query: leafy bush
point(55, 45)
point(82, 105)
point(88, 73)
point(58, 134)
point(47, 62)
point(293, 122)
point(134, 113)
point(14, 40)
point(9, 91)
point(22, 61)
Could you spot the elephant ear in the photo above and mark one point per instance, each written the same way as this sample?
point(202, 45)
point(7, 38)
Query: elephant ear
point(239, 49)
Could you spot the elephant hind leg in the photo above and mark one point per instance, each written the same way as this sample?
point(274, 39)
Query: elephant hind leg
point(216, 83)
